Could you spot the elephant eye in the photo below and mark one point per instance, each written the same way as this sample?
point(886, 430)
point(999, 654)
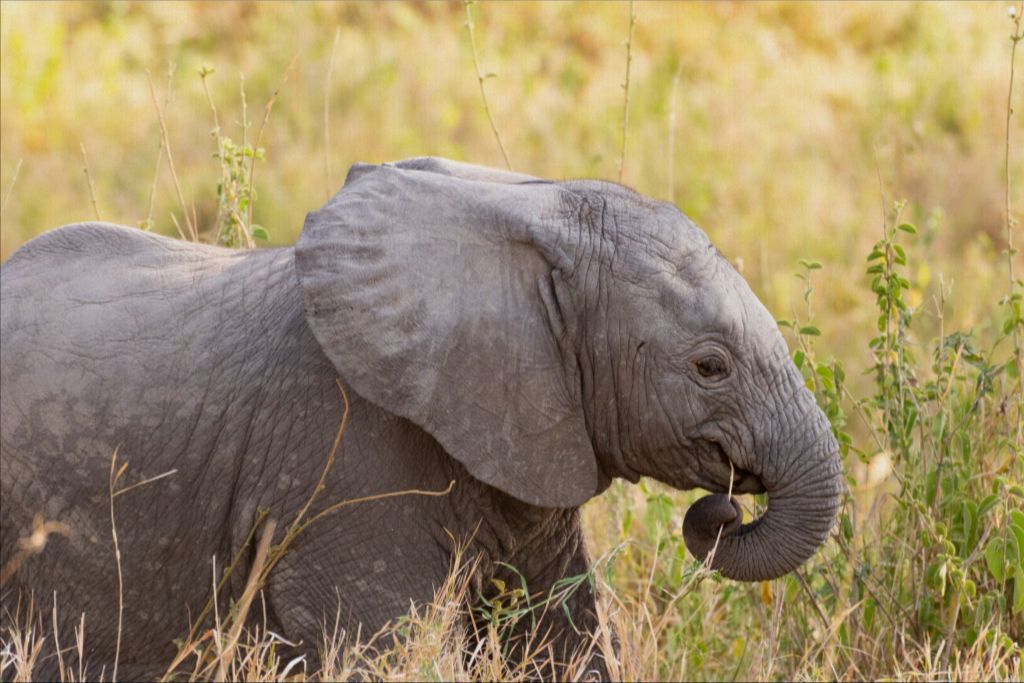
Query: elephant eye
point(711, 366)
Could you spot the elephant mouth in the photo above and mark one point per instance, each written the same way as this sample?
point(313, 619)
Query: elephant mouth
point(743, 480)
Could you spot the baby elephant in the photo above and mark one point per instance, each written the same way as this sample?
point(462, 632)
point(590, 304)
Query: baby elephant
point(522, 341)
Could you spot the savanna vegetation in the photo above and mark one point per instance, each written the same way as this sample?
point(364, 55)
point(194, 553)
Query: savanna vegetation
point(859, 163)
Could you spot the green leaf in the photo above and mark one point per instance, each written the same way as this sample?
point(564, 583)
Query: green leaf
point(1018, 518)
point(907, 227)
point(810, 330)
point(1012, 549)
point(810, 265)
point(877, 268)
point(260, 233)
point(1017, 491)
point(901, 256)
point(875, 254)
point(658, 515)
point(1018, 589)
point(799, 358)
point(929, 483)
point(969, 516)
point(995, 558)
point(987, 504)
point(847, 527)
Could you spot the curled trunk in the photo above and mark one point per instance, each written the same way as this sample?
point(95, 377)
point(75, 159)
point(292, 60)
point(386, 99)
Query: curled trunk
point(801, 512)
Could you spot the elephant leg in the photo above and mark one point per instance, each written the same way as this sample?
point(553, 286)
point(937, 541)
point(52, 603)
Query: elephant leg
point(362, 586)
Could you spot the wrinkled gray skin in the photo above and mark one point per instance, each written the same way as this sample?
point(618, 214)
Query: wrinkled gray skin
point(528, 340)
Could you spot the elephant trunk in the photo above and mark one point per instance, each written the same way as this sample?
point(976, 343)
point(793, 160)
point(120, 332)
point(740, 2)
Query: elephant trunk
point(803, 498)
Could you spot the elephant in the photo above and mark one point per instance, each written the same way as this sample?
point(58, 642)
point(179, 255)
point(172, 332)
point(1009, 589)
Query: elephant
point(514, 342)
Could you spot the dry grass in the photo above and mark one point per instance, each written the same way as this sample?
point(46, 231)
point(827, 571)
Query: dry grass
point(786, 122)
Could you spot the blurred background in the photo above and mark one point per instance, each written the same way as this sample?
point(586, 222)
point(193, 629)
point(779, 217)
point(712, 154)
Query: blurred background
point(784, 130)
point(788, 131)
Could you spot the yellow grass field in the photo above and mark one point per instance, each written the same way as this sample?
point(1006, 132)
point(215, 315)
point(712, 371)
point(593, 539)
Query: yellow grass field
point(797, 135)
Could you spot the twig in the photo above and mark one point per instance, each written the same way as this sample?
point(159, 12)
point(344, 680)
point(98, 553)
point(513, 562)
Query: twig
point(259, 134)
point(177, 226)
point(251, 587)
point(245, 109)
point(330, 460)
point(10, 188)
point(189, 645)
point(711, 555)
point(56, 640)
point(1016, 37)
point(136, 485)
point(148, 223)
point(115, 474)
point(481, 77)
point(88, 178)
point(625, 87)
point(170, 158)
point(380, 496)
point(243, 229)
point(328, 175)
point(112, 480)
point(215, 133)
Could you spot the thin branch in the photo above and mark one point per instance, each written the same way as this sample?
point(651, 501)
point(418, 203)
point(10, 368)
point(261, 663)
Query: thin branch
point(136, 485)
point(115, 473)
point(189, 644)
point(170, 159)
point(215, 133)
point(380, 496)
point(1016, 37)
point(88, 178)
point(625, 87)
point(62, 672)
point(243, 229)
point(245, 109)
point(177, 226)
point(481, 77)
point(259, 134)
point(148, 223)
point(10, 188)
point(251, 587)
point(328, 174)
point(330, 460)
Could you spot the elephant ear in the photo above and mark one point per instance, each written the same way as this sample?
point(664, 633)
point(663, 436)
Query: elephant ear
point(432, 296)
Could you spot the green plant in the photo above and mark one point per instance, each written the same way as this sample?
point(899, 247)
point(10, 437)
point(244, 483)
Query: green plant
point(235, 192)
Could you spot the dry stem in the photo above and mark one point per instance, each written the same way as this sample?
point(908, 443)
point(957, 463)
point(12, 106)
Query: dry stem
point(625, 87)
point(259, 134)
point(1017, 36)
point(10, 188)
point(481, 77)
point(193, 234)
point(88, 178)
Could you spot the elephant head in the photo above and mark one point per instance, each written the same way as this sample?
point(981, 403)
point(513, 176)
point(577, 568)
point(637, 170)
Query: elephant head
point(554, 335)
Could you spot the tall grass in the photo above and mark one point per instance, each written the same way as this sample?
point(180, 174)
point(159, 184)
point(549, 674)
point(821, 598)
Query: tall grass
point(923, 578)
